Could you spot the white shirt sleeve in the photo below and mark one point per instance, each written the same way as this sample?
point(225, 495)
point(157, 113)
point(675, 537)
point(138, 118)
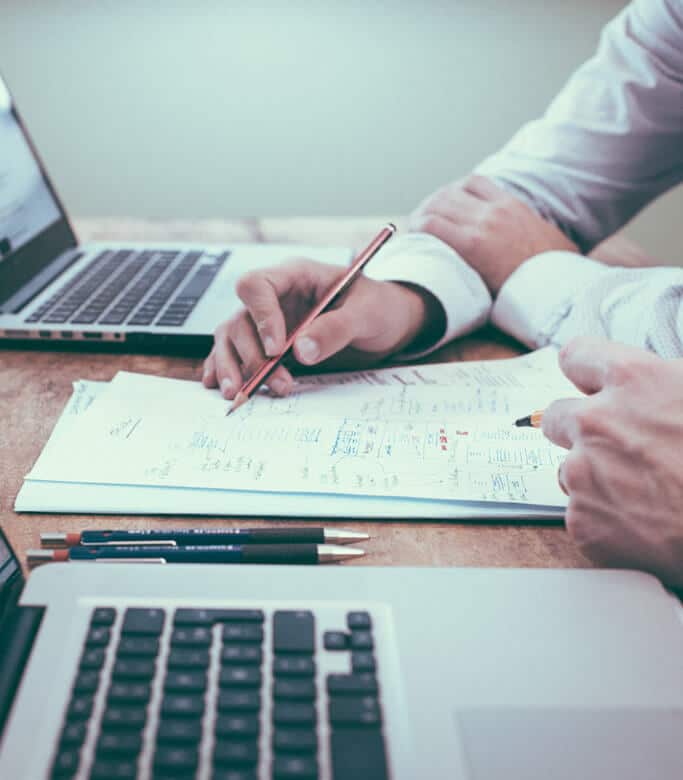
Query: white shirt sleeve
point(425, 261)
point(612, 140)
point(555, 296)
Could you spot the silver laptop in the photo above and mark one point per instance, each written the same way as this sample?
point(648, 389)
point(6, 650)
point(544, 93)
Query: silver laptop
point(339, 673)
point(146, 295)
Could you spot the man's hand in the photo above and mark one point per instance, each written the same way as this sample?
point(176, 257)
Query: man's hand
point(623, 473)
point(372, 320)
point(491, 230)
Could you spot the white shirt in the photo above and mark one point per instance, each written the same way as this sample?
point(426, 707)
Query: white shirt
point(609, 143)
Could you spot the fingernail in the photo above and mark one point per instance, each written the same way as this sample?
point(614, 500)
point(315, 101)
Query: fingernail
point(278, 386)
point(308, 349)
point(226, 386)
point(269, 345)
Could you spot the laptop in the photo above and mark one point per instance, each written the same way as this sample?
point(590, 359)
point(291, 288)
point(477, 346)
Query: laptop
point(146, 296)
point(339, 673)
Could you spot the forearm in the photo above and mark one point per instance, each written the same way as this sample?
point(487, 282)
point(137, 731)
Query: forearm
point(557, 296)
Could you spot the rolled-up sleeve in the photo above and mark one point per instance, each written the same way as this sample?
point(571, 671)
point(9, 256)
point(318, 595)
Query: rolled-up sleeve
point(612, 140)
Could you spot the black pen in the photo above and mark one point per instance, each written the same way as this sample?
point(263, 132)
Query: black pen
point(232, 553)
point(202, 536)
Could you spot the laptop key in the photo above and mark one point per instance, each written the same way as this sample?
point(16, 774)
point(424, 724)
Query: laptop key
point(242, 632)
point(93, 658)
point(295, 767)
point(294, 666)
point(80, 708)
point(240, 677)
point(86, 682)
point(242, 654)
point(239, 701)
point(207, 617)
point(137, 646)
point(361, 640)
point(293, 713)
point(66, 763)
point(353, 684)
point(350, 711)
point(177, 730)
point(223, 773)
point(237, 726)
point(176, 759)
point(293, 632)
point(103, 616)
point(294, 689)
point(191, 637)
point(295, 740)
point(74, 733)
point(119, 743)
point(363, 661)
point(176, 705)
point(129, 693)
point(183, 658)
point(143, 621)
point(131, 718)
point(359, 621)
point(185, 681)
point(335, 640)
point(98, 636)
point(235, 753)
point(134, 669)
point(358, 753)
point(114, 770)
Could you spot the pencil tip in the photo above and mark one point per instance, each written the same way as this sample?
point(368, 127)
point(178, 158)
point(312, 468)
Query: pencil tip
point(239, 399)
point(524, 422)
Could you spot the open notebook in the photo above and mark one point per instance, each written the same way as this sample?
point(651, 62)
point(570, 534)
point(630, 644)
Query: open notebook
point(434, 441)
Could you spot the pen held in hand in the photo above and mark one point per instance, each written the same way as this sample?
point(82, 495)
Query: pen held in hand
point(226, 554)
point(532, 420)
point(266, 369)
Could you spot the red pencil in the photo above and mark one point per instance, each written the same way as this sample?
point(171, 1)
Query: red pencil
point(267, 368)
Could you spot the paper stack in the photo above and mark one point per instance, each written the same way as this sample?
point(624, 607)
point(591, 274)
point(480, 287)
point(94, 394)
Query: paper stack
point(421, 442)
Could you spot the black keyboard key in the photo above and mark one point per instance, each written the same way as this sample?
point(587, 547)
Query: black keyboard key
point(182, 705)
point(237, 726)
point(93, 658)
point(119, 743)
point(358, 753)
point(103, 616)
point(235, 753)
point(191, 637)
point(143, 621)
point(359, 621)
point(240, 677)
point(98, 637)
point(335, 640)
point(287, 713)
point(223, 773)
point(129, 693)
point(137, 646)
point(295, 741)
point(130, 718)
point(351, 711)
point(80, 708)
point(361, 640)
point(351, 684)
point(121, 769)
point(176, 759)
point(363, 661)
point(133, 669)
point(188, 658)
point(242, 654)
point(242, 632)
point(293, 632)
point(74, 733)
point(176, 730)
point(185, 681)
point(295, 767)
point(303, 690)
point(207, 617)
point(239, 701)
point(66, 763)
point(294, 667)
point(86, 682)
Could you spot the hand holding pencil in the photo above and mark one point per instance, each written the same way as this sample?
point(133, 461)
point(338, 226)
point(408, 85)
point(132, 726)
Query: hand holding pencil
point(370, 321)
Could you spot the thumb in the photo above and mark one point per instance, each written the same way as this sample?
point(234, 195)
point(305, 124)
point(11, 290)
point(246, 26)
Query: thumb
point(327, 334)
point(592, 363)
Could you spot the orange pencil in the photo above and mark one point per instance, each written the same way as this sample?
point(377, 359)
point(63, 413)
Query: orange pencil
point(267, 368)
point(532, 420)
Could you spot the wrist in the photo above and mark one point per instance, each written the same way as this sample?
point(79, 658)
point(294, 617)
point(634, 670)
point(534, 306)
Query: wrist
point(425, 318)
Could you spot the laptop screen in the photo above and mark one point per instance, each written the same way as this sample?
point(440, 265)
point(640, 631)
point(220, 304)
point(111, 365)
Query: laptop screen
point(33, 226)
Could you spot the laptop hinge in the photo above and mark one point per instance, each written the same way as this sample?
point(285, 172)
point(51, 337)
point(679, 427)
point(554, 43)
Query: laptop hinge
point(36, 284)
point(17, 634)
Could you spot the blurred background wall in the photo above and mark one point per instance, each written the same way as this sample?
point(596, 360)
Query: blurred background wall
point(244, 107)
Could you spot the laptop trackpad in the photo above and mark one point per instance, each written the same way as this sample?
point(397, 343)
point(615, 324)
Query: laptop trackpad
point(571, 744)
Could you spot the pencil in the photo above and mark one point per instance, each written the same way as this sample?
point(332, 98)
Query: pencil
point(266, 369)
point(532, 420)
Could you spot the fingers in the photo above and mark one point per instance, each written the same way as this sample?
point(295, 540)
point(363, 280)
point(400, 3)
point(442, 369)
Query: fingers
point(560, 421)
point(260, 292)
point(328, 334)
point(483, 188)
point(592, 363)
point(209, 370)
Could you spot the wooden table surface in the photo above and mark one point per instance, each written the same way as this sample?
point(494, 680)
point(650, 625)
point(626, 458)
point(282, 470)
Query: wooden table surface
point(35, 385)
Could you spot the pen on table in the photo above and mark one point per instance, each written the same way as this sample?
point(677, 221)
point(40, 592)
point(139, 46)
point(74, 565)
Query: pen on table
point(204, 536)
point(231, 554)
point(532, 420)
point(354, 270)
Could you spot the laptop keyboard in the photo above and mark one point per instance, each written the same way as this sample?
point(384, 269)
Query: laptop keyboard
point(224, 694)
point(159, 288)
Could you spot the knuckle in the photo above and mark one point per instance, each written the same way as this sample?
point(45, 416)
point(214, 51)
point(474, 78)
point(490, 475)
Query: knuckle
point(623, 371)
point(248, 284)
point(575, 471)
point(589, 421)
point(575, 523)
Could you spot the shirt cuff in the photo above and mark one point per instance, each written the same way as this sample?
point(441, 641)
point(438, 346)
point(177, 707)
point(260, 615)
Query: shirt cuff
point(538, 296)
point(426, 261)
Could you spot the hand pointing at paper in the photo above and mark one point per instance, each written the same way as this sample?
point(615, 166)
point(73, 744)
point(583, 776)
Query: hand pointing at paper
point(623, 472)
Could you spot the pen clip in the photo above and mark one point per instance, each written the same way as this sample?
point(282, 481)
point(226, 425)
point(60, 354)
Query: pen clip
point(133, 543)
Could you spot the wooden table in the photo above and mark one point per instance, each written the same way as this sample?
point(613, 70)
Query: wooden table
point(35, 385)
